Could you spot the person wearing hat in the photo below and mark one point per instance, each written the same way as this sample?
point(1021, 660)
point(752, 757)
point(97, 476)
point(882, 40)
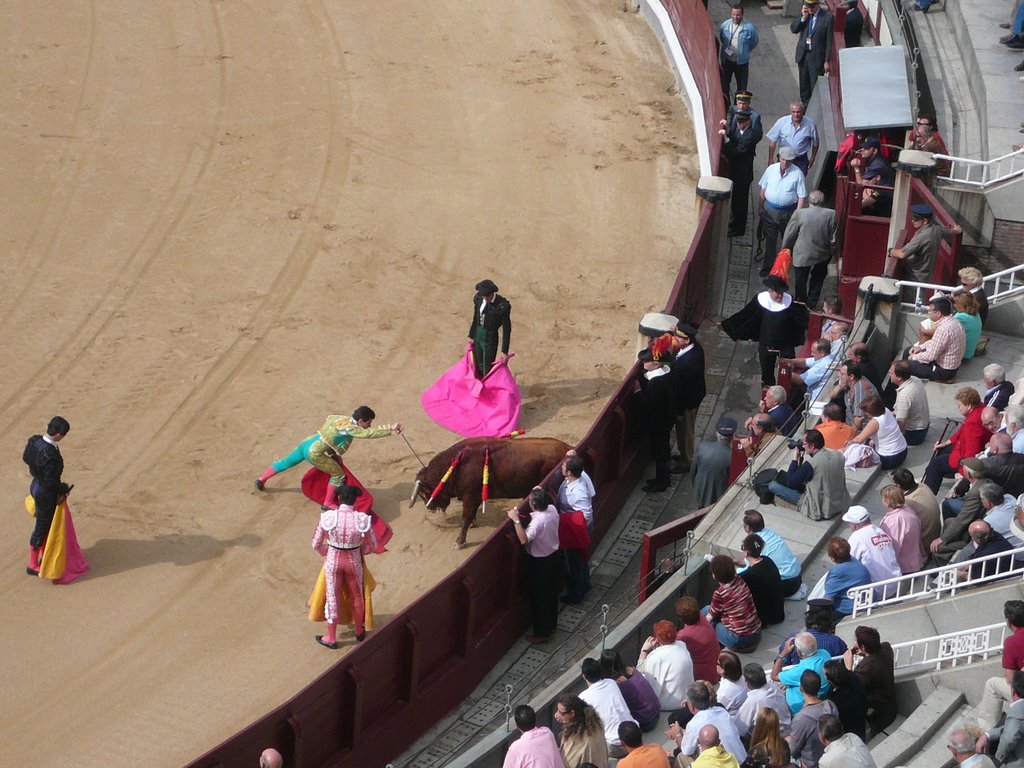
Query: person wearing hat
point(798, 132)
point(870, 168)
point(710, 469)
point(737, 38)
point(871, 545)
point(772, 319)
point(656, 406)
point(813, 45)
point(918, 254)
point(742, 104)
point(813, 236)
point(740, 138)
point(782, 191)
point(688, 375)
point(853, 25)
point(491, 311)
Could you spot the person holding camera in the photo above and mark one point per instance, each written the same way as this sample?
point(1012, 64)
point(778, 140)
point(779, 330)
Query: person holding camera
point(815, 481)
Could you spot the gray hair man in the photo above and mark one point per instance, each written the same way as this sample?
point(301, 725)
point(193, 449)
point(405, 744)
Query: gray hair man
point(813, 236)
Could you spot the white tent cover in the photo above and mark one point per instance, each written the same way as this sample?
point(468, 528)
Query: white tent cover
point(876, 92)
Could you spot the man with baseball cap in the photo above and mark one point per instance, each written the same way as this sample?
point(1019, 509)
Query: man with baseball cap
point(869, 167)
point(871, 545)
point(919, 253)
point(782, 191)
point(710, 469)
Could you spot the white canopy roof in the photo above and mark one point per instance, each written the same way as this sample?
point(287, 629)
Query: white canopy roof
point(876, 93)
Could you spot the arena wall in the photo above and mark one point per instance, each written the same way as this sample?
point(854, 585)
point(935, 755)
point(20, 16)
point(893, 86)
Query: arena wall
point(387, 692)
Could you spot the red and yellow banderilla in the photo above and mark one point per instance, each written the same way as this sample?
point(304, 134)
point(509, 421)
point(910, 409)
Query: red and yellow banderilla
point(444, 478)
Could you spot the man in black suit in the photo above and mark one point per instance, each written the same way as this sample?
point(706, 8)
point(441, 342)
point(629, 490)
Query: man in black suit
point(656, 406)
point(739, 143)
point(46, 466)
point(491, 311)
point(854, 25)
point(688, 376)
point(813, 45)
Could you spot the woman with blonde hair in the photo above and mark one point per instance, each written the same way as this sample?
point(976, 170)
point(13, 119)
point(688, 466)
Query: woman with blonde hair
point(767, 747)
point(971, 280)
point(582, 737)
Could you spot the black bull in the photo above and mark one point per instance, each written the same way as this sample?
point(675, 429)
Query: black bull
point(516, 466)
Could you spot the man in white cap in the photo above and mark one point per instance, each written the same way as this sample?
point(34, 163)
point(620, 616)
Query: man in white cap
point(871, 545)
point(782, 191)
point(710, 470)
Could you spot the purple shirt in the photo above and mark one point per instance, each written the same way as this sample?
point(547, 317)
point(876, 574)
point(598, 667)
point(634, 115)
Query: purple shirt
point(640, 697)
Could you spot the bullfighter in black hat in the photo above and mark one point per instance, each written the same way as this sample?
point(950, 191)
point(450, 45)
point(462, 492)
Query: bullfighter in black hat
point(775, 321)
point(491, 311)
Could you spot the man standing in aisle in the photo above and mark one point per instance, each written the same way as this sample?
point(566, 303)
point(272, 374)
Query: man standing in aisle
point(737, 39)
point(813, 45)
point(813, 236)
point(798, 132)
point(688, 375)
point(782, 192)
point(740, 138)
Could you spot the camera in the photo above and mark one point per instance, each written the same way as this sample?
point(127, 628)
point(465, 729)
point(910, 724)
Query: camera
point(798, 444)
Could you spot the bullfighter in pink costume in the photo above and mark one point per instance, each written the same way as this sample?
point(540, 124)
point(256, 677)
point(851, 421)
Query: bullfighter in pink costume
point(343, 536)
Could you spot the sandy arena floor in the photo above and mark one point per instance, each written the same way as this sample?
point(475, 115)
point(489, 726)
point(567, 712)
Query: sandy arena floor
point(223, 220)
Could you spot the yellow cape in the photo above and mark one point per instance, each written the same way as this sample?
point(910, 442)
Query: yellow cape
point(318, 599)
point(51, 564)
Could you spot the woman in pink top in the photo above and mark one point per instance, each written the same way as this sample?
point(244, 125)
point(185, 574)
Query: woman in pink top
point(343, 536)
point(904, 528)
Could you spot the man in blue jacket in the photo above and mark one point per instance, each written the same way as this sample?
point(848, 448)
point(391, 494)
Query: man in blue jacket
point(736, 39)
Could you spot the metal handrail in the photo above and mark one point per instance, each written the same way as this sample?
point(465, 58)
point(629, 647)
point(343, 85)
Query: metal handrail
point(953, 648)
point(934, 583)
point(1013, 276)
point(982, 174)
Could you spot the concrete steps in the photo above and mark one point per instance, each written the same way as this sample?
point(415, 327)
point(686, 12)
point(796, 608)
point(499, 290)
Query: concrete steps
point(927, 719)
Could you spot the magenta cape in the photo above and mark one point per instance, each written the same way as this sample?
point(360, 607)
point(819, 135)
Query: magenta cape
point(472, 407)
point(314, 486)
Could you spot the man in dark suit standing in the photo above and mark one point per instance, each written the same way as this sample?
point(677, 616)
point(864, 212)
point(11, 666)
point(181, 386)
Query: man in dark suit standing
point(739, 143)
point(854, 24)
point(491, 311)
point(656, 407)
point(688, 376)
point(813, 45)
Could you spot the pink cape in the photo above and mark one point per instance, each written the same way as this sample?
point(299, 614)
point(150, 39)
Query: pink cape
point(314, 486)
point(472, 407)
point(75, 564)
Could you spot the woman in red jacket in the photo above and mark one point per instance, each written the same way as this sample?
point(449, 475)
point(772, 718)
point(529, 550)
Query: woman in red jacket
point(966, 442)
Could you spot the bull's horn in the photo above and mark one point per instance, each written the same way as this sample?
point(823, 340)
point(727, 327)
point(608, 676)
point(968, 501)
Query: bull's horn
point(415, 494)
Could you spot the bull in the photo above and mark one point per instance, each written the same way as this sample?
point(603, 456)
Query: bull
point(516, 466)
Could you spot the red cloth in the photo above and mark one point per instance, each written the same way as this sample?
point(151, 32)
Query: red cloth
point(473, 407)
point(314, 486)
point(969, 439)
point(573, 533)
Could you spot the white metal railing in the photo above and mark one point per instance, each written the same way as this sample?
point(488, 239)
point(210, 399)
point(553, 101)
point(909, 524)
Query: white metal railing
point(936, 583)
point(980, 175)
point(952, 649)
point(999, 286)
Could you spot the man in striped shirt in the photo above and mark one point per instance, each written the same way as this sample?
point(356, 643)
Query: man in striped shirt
point(938, 359)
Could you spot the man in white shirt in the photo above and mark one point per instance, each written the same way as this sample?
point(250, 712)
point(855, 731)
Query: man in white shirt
point(604, 696)
point(698, 701)
point(761, 693)
point(1013, 417)
point(871, 545)
point(576, 494)
point(842, 750)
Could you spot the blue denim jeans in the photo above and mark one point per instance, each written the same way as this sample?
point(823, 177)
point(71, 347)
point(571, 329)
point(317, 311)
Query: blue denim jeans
point(727, 637)
point(915, 436)
point(784, 492)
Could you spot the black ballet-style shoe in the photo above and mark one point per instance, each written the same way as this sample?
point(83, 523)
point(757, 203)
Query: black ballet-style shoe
point(325, 644)
point(361, 636)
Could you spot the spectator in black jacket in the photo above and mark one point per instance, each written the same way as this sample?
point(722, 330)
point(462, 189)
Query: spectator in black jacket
point(688, 376)
point(656, 404)
point(765, 583)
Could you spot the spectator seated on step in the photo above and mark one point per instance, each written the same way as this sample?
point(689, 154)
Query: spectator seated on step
point(997, 389)
point(814, 370)
point(777, 550)
point(774, 405)
point(820, 622)
point(874, 171)
point(911, 408)
point(922, 502)
point(837, 433)
point(997, 689)
point(761, 693)
point(811, 658)
point(666, 663)
point(986, 542)
point(1009, 737)
point(958, 514)
point(759, 434)
point(705, 710)
point(877, 674)
point(815, 481)
point(732, 611)
point(852, 389)
point(939, 358)
point(848, 572)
